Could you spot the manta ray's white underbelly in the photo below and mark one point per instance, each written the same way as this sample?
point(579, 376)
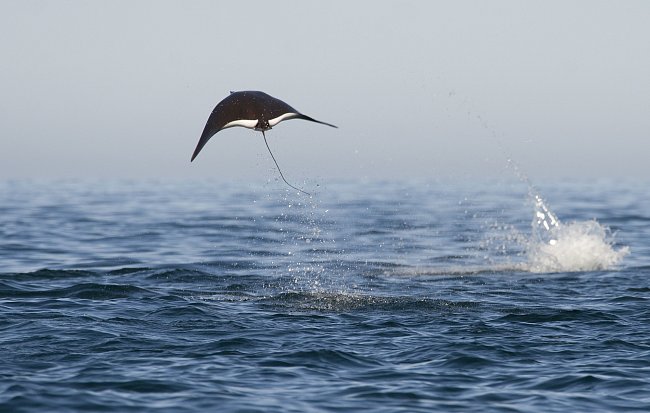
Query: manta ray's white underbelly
point(247, 123)
point(252, 123)
point(288, 115)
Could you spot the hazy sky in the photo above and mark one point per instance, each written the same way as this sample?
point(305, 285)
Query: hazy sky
point(419, 89)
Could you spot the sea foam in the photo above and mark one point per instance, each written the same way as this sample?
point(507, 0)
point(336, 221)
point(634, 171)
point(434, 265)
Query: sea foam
point(574, 246)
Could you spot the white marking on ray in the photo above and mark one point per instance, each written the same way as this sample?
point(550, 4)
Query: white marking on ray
point(288, 115)
point(247, 123)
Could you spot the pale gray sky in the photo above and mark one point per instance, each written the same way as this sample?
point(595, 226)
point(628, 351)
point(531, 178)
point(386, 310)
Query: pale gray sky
point(418, 89)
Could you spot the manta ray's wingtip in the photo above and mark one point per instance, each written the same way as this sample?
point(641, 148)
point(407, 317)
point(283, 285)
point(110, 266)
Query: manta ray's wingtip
point(309, 118)
point(195, 154)
point(328, 124)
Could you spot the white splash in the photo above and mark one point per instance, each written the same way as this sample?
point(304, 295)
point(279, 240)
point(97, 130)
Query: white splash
point(576, 246)
point(555, 246)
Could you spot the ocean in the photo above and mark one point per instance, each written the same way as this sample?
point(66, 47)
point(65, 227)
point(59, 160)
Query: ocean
point(382, 296)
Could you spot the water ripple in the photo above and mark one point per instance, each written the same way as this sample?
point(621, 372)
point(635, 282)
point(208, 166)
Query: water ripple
point(391, 297)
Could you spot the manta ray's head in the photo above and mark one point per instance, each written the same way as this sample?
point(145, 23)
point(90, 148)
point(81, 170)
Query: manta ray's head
point(262, 125)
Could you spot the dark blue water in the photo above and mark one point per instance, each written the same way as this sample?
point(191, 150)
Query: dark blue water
point(387, 297)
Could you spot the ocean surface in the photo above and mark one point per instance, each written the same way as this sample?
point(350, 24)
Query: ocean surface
point(418, 296)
